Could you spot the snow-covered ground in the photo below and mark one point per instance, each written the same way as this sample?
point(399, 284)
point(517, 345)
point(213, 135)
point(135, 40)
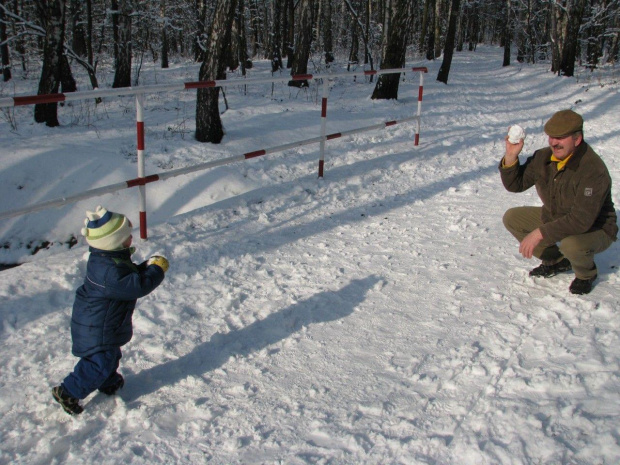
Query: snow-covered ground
point(381, 315)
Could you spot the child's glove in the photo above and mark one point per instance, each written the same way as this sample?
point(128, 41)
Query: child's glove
point(160, 261)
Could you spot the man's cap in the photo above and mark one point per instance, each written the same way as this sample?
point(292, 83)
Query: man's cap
point(563, 124)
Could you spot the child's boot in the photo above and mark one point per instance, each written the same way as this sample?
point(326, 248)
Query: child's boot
point(111, 390)
point(71, 405)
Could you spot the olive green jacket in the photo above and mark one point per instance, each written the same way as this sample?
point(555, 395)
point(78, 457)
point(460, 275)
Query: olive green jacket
point(576, 200)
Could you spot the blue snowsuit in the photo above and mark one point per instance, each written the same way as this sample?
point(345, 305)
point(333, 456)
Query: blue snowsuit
point(102, 317)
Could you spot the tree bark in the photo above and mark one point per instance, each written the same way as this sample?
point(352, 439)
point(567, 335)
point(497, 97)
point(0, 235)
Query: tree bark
point(328, 40)
point(164, 35)
point(276, 43)
point(78, 43)
point(448, 50)
point(4, 48)
point(558, 31)
point(121, 22)
point(571, 44)
point(303, 41)
point(394, 52)
point(208, 122)
point(52, 16)
point(507, 33)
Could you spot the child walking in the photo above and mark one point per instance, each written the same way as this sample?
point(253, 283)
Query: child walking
point(102, 312)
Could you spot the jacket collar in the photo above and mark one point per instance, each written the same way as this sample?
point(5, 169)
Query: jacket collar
point(575, 160)
point(123, 253)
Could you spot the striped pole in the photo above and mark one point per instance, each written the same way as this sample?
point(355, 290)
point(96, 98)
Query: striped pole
point(141, 172)
point(420, 93)
point(141, 181)
point(323, 125)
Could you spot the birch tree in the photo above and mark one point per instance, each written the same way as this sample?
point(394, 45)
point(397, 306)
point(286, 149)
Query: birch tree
point(209, 126)
point(394, 49)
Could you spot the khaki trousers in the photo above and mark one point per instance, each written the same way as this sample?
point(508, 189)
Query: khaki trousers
point(579, 249)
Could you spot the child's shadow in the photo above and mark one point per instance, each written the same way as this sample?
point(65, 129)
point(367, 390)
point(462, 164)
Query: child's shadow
point(320, 308)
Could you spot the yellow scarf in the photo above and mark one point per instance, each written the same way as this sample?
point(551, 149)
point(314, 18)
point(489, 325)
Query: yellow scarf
point(561, 163)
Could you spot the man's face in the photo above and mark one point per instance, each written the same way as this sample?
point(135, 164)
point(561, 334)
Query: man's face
point(563, 147)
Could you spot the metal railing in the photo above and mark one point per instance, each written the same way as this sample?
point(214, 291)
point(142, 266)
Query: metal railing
point(139, 92)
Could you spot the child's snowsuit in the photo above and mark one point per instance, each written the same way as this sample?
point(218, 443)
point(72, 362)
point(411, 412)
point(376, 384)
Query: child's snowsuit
point(102, 317)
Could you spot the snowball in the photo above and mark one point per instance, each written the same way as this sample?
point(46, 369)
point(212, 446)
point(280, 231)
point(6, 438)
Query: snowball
point(515, 134)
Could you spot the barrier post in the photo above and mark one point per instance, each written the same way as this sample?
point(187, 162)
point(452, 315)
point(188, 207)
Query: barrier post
point(141, 173)
point(323, 125)
point(420, 92)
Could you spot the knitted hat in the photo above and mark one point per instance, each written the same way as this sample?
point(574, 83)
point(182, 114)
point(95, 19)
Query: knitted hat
point(106, 230)
point(563, 124)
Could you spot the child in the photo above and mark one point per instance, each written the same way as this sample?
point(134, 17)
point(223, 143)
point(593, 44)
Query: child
point(103, 308)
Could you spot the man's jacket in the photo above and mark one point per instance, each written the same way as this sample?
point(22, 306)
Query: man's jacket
point(576, 200)
point(104, 304)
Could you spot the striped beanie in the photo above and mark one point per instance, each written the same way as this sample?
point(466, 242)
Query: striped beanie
point(106, 230)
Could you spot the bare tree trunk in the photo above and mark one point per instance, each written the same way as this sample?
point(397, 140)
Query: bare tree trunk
point(558, 31)
point(437, 35)
point(448, 50)
point(276, 43)
point(507, 33)
point(52, 16)
point(200, 7)
point(424, 31)
point(355, 45)
point(164, 34)
point(122, 42)
point(394, 52)
point(328, 40)
point(430, 35)
point(290, 32)
point(302, 43)
point(569, 52)
point(4, 48)
point(78, 43)
point(208, 122)
point(244, 59)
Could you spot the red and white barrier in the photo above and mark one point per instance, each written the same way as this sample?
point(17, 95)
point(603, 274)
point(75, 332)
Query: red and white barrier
point(142, 179)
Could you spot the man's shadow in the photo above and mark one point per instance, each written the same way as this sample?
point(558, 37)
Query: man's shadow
point(321, 308)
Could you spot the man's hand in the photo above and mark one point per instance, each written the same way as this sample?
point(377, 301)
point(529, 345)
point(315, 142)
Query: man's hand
point(529, 243)
point(512, 152)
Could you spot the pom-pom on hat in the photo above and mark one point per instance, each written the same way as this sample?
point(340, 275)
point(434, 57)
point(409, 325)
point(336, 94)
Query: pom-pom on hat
point(106, 230)
point(563, 124)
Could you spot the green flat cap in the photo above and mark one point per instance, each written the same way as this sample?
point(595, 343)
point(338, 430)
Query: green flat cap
point(564, 123)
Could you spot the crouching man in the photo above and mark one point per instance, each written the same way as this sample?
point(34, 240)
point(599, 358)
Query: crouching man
point(578, 218)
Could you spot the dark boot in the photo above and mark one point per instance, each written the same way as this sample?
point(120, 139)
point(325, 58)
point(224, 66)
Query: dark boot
point(111, 390)
point(71, 405)
point(581, 286)
point(546, 271)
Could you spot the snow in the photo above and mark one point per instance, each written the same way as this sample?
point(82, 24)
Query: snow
point(379, 315)
point(515, 134)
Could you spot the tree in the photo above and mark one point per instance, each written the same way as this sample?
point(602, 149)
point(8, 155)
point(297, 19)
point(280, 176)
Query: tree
point(4, 47)
point(276, 43)
point(448, 50)
point(208, 122)
point(164, 34)
point(395, 47)
point(121, 25)
point(303, 40)
point(569, 52)
point(52, 16)
point(507, 33)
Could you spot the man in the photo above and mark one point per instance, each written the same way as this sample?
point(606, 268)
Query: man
point(578, 218)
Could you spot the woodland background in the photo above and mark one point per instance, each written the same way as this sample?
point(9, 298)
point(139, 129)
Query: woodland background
point(52, 37)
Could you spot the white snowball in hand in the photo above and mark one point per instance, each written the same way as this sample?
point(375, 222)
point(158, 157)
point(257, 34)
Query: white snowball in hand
point(515, 134)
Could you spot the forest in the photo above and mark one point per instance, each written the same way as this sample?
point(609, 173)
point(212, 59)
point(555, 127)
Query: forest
point(52, 37)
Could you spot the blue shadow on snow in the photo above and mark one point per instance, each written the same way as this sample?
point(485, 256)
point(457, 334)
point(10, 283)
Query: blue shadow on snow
point(321, 308)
